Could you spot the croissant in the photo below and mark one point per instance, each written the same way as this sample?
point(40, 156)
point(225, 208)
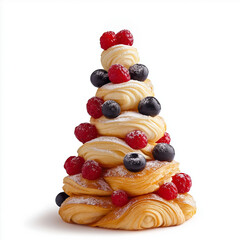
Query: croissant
point(154, 174)
point(110, 151)
point(128, 94)
point(153, 127)
point(142, 212)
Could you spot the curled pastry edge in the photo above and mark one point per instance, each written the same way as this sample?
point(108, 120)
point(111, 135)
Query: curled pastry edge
point(72, 188)
point(147, 211)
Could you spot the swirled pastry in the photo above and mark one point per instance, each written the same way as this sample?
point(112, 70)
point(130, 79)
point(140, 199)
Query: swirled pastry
point(119, 54)
point(137, 183)
point(187, 205)
point(153, 127)
point(77, 185)
point(109, 151)
point(142, 212)
point(128, 94)
point(85, 209)
point(147, 211)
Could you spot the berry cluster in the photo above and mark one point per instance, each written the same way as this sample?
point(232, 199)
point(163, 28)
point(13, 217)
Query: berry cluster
point(181, 183)
point(90, 169)
point(119, 74)
point(109, 39)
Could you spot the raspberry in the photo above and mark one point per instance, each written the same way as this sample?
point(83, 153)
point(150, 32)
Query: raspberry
point(118, 74)
point(168, 191)
point(165, 139)
point(91, 170)
point(183, 182)
point(94, 107)
point(136, 139)
point(107, 40)
point(119, 198)
point(124, 37)
point(73, 165)
point(85, 132)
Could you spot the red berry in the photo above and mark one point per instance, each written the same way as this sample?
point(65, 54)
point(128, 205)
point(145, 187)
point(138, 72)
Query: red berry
point(118, 74)
point(94, 107)
point(91, 170)
point(165, 139)
point(73, 165)
point(124, 37)
point(85, 132)
point(107, 40)
point(182, 181)
point(136, 139)
point(119, 198)
point(168, 191)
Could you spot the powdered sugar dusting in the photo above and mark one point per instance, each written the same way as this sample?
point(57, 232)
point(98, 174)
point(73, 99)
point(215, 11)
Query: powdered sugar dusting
point(89, 200)
point(97, 184)
point(121, 171)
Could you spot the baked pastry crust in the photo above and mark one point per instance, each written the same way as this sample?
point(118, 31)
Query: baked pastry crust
point(153, 127)
point(154, 174)
point(85, 209)
point(142, 212)
point(110, 151)
point(77, 185)
point(128, 94)
point(148, 180)
point(119, 54)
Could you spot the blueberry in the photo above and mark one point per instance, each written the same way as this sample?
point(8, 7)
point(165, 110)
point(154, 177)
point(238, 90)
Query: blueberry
point(138, 72)
point(149, 106)
point(99, 78)
point(60, 198)
point(111, 109)
point(134, 162)
point(163, 152)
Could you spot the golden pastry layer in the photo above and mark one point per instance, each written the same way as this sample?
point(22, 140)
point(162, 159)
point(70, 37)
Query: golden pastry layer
point(187, 204)
point(147, 211)
point(85, 209)
point(153, 127)
point(110, 151)
point(148, 180)
point(119, 54)
point(142, 212)
point(128, 94)
point(77, 185)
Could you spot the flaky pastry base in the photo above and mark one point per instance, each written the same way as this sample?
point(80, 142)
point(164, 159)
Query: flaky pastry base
point(142, 212)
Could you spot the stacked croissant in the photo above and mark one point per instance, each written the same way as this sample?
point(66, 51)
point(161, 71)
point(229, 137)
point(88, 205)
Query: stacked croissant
point(125, 175)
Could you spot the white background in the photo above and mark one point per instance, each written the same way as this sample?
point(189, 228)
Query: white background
point(48, 51)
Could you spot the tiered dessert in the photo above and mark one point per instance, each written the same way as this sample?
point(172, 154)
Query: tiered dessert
point(124, 176)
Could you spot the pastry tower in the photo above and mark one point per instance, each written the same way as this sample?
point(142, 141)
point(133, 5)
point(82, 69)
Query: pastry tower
point(125, 175)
